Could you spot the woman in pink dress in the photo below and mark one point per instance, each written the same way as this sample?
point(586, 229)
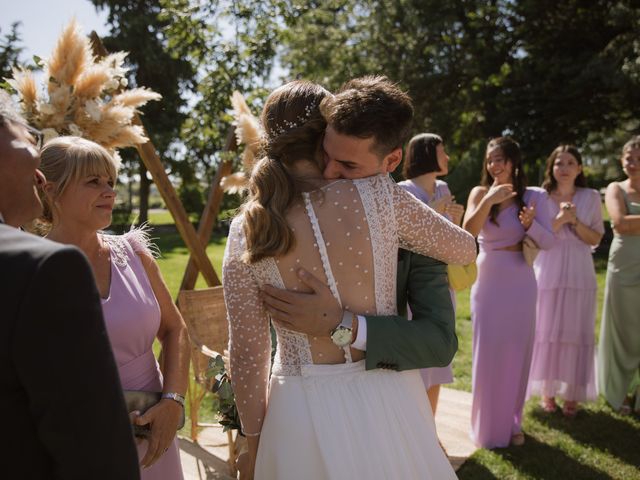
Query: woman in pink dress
point(501, 212)
point(564, 348)
point(426, 160)
point(79, 197)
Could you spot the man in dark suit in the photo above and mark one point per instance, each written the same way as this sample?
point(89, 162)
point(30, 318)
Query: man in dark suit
point(64, 415)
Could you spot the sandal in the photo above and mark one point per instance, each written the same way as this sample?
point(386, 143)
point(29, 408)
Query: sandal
point(625, 408)
point(570, 409)
point(517, 439)
point(548, 404)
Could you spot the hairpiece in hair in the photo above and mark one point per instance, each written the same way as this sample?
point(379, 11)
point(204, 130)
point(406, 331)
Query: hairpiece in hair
point(298, 122)
point(248, 132)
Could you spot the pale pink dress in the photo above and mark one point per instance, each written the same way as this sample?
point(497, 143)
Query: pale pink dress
point(132, 316)
point(434, 375)
point(563, 362)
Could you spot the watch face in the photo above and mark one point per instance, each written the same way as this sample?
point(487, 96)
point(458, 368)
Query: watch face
point(342, 336)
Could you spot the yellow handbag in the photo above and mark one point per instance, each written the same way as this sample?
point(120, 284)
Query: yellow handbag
point(462, 276)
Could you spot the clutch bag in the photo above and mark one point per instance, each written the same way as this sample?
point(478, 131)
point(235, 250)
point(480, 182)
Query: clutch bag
point(530, 250)
point(142, 401)
point(462, 276)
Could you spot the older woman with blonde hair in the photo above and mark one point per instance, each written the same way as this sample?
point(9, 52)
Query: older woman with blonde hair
point(79, 197)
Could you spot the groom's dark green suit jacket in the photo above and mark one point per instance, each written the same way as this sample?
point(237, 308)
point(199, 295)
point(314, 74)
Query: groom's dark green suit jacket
point(429, 340)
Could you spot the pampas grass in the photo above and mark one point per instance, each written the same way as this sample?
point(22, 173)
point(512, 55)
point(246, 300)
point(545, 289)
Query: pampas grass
point(84, 95)
point(248, 133)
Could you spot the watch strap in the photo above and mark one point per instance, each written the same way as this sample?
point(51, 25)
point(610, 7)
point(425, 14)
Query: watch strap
point(176, 397)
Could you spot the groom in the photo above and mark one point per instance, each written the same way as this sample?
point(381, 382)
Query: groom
point(63, 411)
point(368, 121)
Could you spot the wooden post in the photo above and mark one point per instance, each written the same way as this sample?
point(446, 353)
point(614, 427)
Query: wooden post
point(210, 214)
point(152, 161)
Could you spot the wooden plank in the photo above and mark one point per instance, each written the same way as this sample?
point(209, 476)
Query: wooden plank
point(154, 165)
point(185, 228)
point(210, 213)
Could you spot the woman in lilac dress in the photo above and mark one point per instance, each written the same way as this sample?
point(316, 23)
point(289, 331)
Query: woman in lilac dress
point(426, 160)
point(79, 199)
point(564, 348)
point(500, 212)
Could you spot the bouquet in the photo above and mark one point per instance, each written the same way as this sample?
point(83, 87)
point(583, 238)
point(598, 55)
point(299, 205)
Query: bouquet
point(83, 95)
point(227, 412)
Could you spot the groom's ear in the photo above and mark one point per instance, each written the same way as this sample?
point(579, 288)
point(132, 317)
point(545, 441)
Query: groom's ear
point(392, 160)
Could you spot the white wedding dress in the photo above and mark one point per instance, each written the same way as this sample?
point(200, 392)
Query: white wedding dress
point(320, 415)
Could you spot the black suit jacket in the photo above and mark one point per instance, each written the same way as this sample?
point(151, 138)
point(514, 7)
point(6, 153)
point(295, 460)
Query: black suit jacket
point(63, 413)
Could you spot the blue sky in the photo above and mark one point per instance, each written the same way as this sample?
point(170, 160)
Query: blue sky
point(43, 20)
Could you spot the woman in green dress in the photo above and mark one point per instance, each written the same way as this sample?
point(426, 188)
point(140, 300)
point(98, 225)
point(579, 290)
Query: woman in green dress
point(619, 349)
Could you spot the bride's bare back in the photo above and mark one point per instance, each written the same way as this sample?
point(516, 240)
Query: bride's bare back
point(347, 234)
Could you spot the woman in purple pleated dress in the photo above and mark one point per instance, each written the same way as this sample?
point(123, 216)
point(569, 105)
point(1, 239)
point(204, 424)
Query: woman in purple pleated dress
point(564, 348)
point(501, 212)
point(426, 160)
point(79, 197)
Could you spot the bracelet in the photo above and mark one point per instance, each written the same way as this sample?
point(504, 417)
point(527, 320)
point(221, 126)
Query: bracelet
point(251, 434)
point(176, 397)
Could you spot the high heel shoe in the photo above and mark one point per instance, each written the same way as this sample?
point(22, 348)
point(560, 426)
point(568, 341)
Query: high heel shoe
point(570, 409)
point(548, 404)
point(517, 439)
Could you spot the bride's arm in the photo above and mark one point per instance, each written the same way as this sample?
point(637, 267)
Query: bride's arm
point(422, 230)
point(249, 338)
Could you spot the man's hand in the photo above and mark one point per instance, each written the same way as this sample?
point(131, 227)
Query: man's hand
point(316, 313)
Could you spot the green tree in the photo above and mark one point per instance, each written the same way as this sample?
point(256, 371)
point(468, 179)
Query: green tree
point(10, 51)
point(543, 72)
point(137, 27)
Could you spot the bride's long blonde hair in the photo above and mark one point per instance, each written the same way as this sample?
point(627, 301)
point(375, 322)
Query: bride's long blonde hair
point(294, 129)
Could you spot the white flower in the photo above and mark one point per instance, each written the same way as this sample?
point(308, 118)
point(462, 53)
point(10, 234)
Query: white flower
point(75, 130)
point(112, 84)
point(49, 134)
point(124, 82)
point(47, 108)
point(93, 109)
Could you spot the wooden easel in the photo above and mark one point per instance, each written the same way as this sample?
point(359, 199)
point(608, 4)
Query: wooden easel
point(196, 241)
point(151, 160)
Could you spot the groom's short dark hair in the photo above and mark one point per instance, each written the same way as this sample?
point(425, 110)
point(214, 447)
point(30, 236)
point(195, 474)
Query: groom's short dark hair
point(371, 106)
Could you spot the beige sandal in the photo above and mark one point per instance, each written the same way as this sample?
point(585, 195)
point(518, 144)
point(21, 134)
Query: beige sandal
point(517, 439)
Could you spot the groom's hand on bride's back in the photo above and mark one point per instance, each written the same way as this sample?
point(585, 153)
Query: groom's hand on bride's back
point(314, 313)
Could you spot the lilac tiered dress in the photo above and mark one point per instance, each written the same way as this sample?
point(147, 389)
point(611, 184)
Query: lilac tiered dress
point(503, 312)
point(132, 316)
point(435, 375)
point(564, 349)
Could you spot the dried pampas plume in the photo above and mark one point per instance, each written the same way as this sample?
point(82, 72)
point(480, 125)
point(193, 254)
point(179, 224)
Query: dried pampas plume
point(248, 133)
point(84, 96)
point(234, 183)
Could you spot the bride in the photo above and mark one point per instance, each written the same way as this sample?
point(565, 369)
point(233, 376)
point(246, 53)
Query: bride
point(317, 413)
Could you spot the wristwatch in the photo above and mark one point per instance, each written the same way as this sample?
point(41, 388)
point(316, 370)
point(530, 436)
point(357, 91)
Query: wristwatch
point(176, 397)
point(342, 335)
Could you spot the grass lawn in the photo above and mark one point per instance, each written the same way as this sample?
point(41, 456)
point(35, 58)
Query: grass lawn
point(597, 444)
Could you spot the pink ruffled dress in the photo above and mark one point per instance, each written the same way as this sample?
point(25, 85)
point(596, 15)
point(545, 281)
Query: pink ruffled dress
point(563, 362)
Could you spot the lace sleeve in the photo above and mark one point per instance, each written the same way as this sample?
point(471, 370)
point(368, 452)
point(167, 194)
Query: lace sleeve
point(422, 230)
point(249, 336)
